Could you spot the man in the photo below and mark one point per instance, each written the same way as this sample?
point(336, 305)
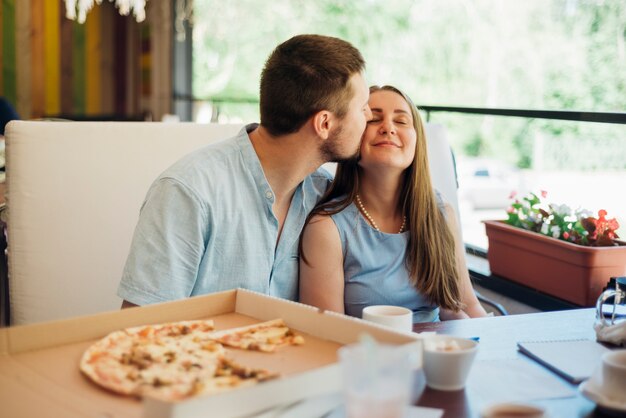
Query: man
point(230, 214)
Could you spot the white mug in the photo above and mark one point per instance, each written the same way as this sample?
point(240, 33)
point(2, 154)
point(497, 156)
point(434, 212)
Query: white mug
point(614, 375)
point(447, 361)
point(395, 317)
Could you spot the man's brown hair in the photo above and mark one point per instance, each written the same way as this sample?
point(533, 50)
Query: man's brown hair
point(304, 75)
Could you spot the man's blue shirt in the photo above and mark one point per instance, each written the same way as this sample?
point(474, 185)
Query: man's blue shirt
point(207, 225)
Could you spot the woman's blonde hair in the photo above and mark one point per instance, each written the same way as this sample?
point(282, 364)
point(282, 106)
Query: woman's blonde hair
point(431, 253)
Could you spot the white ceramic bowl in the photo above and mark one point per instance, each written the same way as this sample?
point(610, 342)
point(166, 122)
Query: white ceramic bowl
point(447, 361)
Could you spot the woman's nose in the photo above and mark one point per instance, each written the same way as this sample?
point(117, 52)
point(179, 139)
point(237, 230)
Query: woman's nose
point(387, 127)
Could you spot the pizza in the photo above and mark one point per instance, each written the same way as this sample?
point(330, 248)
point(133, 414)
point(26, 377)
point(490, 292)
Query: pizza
point(266, 336)
point(178, 360)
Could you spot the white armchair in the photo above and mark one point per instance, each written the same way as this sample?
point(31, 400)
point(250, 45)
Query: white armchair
point(74, 190)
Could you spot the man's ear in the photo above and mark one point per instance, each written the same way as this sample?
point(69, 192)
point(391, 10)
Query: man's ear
point(323, 123)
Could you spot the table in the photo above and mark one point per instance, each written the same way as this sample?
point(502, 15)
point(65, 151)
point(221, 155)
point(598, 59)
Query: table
point(498, 340)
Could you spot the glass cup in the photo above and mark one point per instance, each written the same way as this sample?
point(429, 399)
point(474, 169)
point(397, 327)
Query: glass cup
point(377, 380)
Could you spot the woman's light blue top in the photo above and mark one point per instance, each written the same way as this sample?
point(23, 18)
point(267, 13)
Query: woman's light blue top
point(375, 272)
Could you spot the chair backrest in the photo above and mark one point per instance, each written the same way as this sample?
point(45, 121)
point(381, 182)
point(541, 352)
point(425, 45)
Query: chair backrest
point(74, 193)
point(74, 190)
point(442, 165)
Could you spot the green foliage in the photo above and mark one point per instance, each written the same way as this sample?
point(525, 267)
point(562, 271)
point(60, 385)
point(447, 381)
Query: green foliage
point(474, 146)
point(523, 144)
point(539, 54)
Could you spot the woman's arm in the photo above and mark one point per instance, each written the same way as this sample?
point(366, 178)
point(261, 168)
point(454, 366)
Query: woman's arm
point(473, 308)
point(321, 281)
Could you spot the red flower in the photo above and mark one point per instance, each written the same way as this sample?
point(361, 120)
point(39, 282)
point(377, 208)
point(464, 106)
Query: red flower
point(544, 194)
point(566, 235)
point(613, 224)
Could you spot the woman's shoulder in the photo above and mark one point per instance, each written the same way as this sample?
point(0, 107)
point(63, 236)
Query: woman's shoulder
point(320, 229)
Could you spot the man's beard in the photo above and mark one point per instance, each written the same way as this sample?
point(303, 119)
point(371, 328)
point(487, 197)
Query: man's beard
point(331, 149)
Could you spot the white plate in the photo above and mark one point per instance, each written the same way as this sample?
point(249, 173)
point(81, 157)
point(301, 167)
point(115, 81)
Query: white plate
point(593, 391)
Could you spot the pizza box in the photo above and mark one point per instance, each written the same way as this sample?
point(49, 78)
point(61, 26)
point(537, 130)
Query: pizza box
point(39, 363)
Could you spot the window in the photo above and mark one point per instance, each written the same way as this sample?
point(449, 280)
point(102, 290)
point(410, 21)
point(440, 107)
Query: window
point(536, 54)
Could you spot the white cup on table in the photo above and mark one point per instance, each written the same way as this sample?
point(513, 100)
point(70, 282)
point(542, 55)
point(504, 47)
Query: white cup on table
point(447, 361)
point(377, 380)
point(395, 317)
point(614, 375)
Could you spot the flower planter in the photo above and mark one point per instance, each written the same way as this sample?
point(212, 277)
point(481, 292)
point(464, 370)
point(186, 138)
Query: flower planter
point(568, 271)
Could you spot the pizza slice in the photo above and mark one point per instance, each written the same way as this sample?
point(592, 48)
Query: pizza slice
point(165, 360)
point(175, 361)
point(265, 336)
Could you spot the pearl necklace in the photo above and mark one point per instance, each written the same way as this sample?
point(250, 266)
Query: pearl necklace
point(369, 217)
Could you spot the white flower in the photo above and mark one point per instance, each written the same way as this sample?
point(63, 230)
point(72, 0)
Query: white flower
point(561, 209)
point(583, 213)
point(556, 231)
point(545, 228)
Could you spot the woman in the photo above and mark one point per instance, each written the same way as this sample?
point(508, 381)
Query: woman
point(381, 235)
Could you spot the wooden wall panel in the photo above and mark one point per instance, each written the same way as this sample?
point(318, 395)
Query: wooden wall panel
point(9, 80)
point(37, 48)
point(23, 59)
point(133, 68)
point(67, 66)
point(119, 72)
point(159, 16)
point(52, 63)
point(109, 66)
point(93, 66)
point(78, 65)
point(107, 85)
point(146, 60)
point(1, 50)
